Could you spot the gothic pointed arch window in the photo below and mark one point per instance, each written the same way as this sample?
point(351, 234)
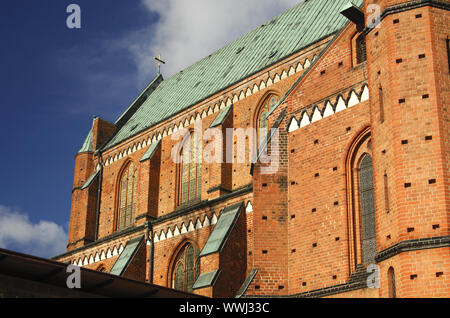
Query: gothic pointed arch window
point(359, 49)
point(186, 268)
point(367, 204)
point(127, 196)
point(190, 170)
point(261, 123)
point(391, 283)
point(361, 198)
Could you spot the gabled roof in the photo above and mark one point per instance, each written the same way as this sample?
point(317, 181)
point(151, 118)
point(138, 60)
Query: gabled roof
point(290, 32)
point(50, 278)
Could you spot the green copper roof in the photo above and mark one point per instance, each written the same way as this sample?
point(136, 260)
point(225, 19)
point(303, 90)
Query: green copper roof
point(150, 151)
point(206, 280)
point(297, 28)
point(221, 117)
point(87, 145)
point(126, 256)
point(139, 101)
point(91, 179)
point(222, 230)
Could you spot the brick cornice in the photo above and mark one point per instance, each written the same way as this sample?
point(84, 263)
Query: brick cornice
point(101, 241)
point(359, 280)
point(218, 188)
point(205, 203)
point(411, 5)
point(147, 217)
point(80, 240)
point(323, 292)
point(151, 220)
point(413, 245)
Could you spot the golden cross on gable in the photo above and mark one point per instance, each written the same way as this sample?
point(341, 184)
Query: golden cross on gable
point(159, 62)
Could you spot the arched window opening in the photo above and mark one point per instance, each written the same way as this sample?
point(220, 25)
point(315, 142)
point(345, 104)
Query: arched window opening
point(386, 192)
point(190, 170)
point(391, 283)
point(186, 269)
point(361, 199)
point(381, 101)
point(262, 126)
point(366, 189)
point(127, 197)
point(361, 50)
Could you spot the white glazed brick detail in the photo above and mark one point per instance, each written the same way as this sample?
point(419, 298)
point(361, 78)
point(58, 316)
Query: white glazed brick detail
point(98, 256)
point(328, 108)
point(193, 225)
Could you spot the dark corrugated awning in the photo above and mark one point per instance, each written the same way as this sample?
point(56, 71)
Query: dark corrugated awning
point(150, 151)
point(91, 179)
point(206, 280)
point(127, 256)
point(53, 275)
point(222, 229)
point(221, 117)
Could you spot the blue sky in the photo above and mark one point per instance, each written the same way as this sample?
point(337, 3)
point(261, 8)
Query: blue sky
point(55, 79)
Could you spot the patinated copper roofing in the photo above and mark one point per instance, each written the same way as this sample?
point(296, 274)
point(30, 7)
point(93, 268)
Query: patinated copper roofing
point(290, 32)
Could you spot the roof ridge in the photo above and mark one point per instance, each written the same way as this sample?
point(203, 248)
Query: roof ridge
point(239, 38)
point(150, 88)
point(284, 35)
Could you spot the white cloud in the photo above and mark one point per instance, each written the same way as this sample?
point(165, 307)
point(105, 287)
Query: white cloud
point(190, 30)
point(17, 232)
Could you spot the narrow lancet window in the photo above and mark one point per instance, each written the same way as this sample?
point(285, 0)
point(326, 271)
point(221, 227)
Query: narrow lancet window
point(127, 197)
point(368, 233)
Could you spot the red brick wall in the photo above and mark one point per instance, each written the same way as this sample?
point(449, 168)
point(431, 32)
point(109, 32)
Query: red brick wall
point(406, 57)
point(317, 205)
point(439, 30)
point(318, 211)
point(318, 227)
point(101, 131)
point(84, 202)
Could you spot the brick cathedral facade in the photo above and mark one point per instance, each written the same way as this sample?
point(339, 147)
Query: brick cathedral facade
point(357, 185)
